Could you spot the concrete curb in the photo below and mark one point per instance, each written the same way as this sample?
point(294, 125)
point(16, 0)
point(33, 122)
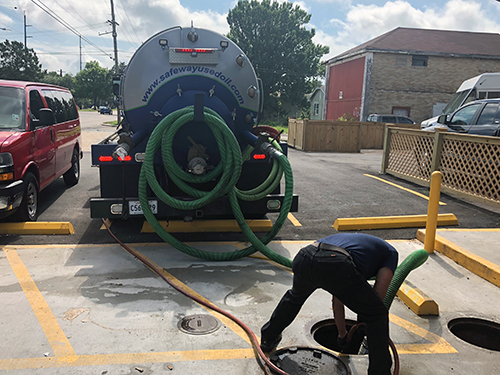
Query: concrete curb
point(37, 227)
point(381, 222)
point(474, 263)
point(417, 300)
point(179, 226)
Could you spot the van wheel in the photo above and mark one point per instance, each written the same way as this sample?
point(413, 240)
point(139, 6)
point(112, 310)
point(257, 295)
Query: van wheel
point(28, 210)
point(72, 176)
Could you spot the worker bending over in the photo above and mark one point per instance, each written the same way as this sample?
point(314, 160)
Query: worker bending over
point(341, 264)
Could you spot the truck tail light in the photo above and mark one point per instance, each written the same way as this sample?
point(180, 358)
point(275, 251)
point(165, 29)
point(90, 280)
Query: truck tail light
point(110, 158)
point(259, 156)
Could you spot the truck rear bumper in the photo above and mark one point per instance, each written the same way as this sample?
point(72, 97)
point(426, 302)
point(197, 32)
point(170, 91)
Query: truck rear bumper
point(118, 208)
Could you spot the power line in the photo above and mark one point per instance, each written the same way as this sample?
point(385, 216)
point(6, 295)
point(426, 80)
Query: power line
point(59, 19)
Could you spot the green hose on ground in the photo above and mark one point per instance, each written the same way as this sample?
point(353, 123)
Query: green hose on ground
point(227, 171)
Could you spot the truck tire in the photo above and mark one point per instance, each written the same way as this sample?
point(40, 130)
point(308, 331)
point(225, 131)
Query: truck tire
point(72, 176)
point(28, 210)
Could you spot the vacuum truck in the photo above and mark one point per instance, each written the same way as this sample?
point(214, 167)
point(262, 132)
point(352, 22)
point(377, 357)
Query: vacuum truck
point(189, 145)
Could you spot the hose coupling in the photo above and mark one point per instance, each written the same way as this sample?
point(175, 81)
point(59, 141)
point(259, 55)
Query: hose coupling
point(269, 149)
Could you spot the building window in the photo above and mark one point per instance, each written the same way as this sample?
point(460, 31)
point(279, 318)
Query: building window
point(419, 60)
point(316, 109)
point(401, 111)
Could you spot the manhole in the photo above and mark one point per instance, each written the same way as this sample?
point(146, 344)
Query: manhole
point(325, 333)
point(478, 332)
point(199, 324)
point(304, 360)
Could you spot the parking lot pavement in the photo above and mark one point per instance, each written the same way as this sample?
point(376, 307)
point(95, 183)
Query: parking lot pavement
point(94, 309)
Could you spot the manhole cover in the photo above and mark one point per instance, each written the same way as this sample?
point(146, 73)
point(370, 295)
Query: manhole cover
point(479, 332)
point(199, 324)
point(325, 333)
point(304, 360)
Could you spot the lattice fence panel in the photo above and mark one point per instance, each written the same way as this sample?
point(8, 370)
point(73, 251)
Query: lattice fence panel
point(471, 167)
point(411, 155)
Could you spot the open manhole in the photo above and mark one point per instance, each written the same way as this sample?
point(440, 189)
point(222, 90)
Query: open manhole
point(479, 332)
point(199, 324)
point(325, 333)
point(306, 361)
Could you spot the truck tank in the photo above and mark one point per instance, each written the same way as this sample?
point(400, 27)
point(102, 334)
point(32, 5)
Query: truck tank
point(170, 68)
point(206, 74)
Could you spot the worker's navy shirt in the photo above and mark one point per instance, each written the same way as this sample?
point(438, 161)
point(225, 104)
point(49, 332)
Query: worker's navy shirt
point(369, 253)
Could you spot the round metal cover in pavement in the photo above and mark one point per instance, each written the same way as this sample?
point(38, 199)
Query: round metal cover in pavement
point(305, 361)
point(199, 324)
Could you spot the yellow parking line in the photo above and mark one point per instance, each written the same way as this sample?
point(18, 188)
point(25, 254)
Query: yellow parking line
point(127, 358)
point(55, 335)
point(403, 188)
point(294, 220)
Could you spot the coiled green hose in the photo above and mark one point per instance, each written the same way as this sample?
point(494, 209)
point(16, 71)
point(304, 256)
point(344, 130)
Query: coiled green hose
point(227, 171)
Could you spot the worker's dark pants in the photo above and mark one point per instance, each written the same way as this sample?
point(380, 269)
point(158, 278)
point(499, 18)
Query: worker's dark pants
point(337, 274)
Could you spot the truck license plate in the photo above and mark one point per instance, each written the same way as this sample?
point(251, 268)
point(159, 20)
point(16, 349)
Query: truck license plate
point(134, 207)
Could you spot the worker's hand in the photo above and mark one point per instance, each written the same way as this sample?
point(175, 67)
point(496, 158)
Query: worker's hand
point(342, 342)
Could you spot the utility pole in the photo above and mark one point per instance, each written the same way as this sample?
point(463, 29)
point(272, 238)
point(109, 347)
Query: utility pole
point(25, 26)
point(80, 53)
point(113, 24)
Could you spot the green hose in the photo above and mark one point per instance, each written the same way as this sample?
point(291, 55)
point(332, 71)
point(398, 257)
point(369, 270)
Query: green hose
point(411, 262)
point(227, 171)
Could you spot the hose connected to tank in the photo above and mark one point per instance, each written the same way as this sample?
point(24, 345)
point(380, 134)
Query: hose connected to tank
point(227, 171)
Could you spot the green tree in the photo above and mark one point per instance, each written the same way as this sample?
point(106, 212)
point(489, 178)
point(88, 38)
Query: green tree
point(55, 78)
point(94, 83)
point(19, 63)
point(280, 48)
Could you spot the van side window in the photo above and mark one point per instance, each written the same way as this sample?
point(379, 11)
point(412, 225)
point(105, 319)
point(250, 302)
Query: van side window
point(488, 114)
point(54, 101)
point(69, 106)
point(464, 116)
point(35, 104)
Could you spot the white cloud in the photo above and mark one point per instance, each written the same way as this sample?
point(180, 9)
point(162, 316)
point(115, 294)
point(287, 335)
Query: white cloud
point(138, 19)
point(364, 22)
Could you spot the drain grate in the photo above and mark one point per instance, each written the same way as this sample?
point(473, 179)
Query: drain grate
point(198, 324)
point(478, 332)
point(305, 361)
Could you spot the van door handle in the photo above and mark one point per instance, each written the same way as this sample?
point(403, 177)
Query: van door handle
point(52, 135)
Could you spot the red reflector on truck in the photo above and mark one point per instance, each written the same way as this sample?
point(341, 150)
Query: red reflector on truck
point(196, 50)
point(259, 156)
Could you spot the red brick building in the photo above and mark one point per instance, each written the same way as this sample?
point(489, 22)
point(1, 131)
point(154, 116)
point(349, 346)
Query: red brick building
point(412, 72)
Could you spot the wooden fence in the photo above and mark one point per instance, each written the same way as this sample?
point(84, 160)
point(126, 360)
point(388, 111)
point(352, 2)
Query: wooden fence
point(337, 136)
point(470, 164)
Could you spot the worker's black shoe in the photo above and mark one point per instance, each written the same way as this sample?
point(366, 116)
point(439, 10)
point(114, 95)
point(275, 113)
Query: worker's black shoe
point(268, 346)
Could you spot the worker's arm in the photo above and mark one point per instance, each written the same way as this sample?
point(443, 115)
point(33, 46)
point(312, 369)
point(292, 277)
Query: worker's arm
point(382, 281)
point(339, 315)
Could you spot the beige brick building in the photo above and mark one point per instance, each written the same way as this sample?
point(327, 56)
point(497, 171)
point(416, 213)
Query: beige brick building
point(411, 72)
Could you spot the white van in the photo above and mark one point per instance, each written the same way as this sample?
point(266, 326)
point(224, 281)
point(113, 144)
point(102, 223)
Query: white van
point(484, 86)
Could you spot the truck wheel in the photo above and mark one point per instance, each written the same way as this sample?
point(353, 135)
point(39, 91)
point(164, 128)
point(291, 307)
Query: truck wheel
point(72, 176)
point(28, 210)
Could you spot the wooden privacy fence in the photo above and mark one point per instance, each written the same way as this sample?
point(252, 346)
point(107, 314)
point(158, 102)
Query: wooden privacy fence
point(470, 164)
point(337, 136)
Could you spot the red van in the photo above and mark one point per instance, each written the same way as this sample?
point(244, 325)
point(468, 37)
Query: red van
point(39, 142)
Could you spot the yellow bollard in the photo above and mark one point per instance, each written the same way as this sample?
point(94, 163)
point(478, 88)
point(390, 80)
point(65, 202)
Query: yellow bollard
point(432, 211)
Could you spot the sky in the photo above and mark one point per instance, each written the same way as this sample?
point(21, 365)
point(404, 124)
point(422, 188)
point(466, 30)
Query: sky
point(339, 24)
